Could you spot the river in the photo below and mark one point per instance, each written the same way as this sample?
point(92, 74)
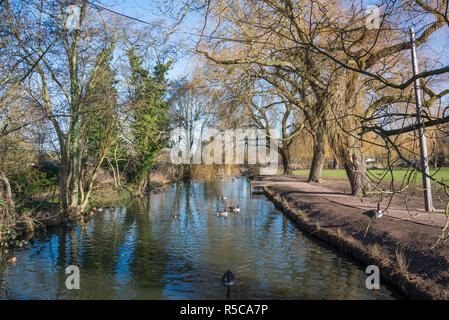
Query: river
point(140, 251)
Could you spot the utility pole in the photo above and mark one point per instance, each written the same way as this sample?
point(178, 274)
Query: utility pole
point(422, 137)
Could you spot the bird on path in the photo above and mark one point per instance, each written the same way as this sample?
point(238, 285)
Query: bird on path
point(375, 213)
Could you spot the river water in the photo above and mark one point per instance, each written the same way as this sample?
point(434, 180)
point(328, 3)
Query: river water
point(139, 251)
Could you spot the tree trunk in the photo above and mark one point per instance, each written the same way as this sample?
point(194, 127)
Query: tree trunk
point(141, 189)
point(335, 163)
point(64, 178)
point(74, 134)
point(316, 168)
point(286, 160)
point(9, 199)
point(355, 170)
point(435, 156)
point(141, 185)
point(74, 146)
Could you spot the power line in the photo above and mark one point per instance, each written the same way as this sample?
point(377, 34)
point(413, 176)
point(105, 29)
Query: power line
point(118, 13)
point(148, 23)
point(100, 7)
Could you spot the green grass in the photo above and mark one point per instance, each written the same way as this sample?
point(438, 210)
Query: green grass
point(398, 174)
point(326, 173)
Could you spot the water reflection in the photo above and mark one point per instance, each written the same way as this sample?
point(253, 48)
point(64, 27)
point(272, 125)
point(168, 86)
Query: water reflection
point(141, 252)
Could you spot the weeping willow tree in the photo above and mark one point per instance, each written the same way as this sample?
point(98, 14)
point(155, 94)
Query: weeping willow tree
point(344, 97)
point(329, 45)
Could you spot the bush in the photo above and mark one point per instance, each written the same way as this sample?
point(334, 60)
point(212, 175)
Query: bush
point(29, 180)
point(8, 233)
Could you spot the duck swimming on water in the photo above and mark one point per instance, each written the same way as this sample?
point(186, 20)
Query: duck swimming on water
point(12, 260)
point(222, 198)
point(228, 280)
point(222, 213)
point(234, 209)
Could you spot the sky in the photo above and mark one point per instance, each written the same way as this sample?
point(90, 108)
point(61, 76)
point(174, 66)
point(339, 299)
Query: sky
point(148, 10)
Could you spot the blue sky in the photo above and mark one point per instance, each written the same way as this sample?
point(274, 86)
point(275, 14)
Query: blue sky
point(147, 10)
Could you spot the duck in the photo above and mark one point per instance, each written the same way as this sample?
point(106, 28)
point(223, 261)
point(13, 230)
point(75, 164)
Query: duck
point(234, 209)
point(12, 260)
point(222, 214)
point(378, 211)
point(222, 198)
point(375, 213)
point(228, 280)
point(175, 216)
point(100, 209)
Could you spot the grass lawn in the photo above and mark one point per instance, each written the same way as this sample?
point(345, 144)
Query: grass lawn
point(398, 174)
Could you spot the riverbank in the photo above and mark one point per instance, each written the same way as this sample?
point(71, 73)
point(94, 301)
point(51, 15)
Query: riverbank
point(400, 243)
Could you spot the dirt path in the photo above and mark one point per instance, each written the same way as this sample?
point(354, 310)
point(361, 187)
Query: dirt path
point(336, 190)
point(412, 232)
